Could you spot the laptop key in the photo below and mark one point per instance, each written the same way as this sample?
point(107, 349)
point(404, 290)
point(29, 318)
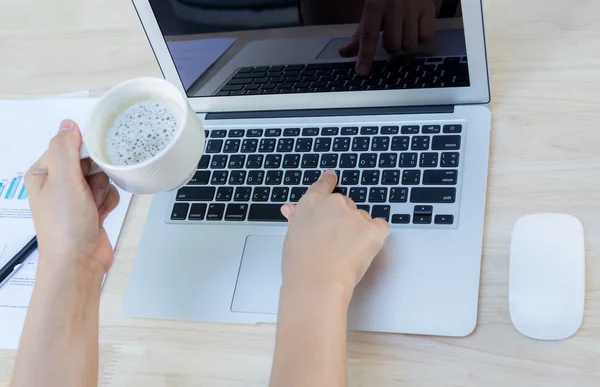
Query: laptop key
point(198, 211)
point(358, 194)
point(280, 194)
point(330, 131)
point(310, 160)
point(218, 162)
point(267, 145)
point(200, 178)
point(370, 177)
point(254, 133)
point(297, 193)
point(304, 145)
point(390, 130)
point(237, 177)
point(381, 212)
point(422, 219)
point(236, 133)
point(411, 177)
point(445, 143)
point(400, 219)
point(361, 144)
point(378, 195)
point(398, 195)
point(390, 177)
point(410, 129)
point(242, 194)
point(236, 212)
point(341, 190)
point(440, 177)
point(348, 160)
point(215, 211)
point(273, 161)
point(428, 160)
point(388, 160)
point(310, 177)
point(204, 162)
point(310, 132)
point(341, 144)
point(196, 194)
point(219, 177)
point(292, 177)
point(254, 161)
point(350, 177)
point(408, 160)
point(261, 194)
point(380, 144)
point(420, 143)
point(329, 160)
point(432, 195)
point(291, 160)
point(449, 159)
point(224, 194)
point(350, 131)
point(431, 129)
point(444, 219)
point(369, 130)
point(255, 177)
point(274, 177)
point(452, 128)
point(285, 145)
point(368, 160)
point(180, 211)
point(400, 143)
point(236, 161)
point(249, 145)
point(291, 132)
point(364, 207)
point(214, 146)
point(266, 213)
point(273, 132)
point(231, 146)
point(322, 144)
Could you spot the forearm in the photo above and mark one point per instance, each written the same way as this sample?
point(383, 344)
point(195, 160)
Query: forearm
point(311, 338)
point(59, 344)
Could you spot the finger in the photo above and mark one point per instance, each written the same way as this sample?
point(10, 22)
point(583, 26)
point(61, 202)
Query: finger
point(110, 202)
point(100, 187)
point(287, 210)
point(410, 32)
point(382, 230)
point(326, 183)
point(427, 26)
point(36, 176)
point(63, 154)
point(392, 31)
point(86, 166)
point(351, 48)
point(369, 35)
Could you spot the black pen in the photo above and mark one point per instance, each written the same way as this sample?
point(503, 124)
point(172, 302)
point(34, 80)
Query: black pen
point(13, 266)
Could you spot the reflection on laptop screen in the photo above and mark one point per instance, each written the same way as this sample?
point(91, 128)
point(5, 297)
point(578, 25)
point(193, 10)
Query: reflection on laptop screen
point(254, 47)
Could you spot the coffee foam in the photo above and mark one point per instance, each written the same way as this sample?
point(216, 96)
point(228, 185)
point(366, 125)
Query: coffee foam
point(141, 131)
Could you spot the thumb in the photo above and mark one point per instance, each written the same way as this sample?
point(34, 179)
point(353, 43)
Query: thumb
point(63, 153)
point(288, 210)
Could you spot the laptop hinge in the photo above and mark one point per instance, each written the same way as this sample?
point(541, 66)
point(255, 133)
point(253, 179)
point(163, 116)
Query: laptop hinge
point(367, 111)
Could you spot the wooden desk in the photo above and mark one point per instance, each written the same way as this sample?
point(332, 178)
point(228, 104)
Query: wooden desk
point(545, 69)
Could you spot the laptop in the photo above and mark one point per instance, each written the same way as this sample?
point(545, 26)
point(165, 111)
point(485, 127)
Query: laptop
point(409, 141)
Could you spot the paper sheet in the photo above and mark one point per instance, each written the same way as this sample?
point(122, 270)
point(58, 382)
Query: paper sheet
point(25, 130)
point(193, 57)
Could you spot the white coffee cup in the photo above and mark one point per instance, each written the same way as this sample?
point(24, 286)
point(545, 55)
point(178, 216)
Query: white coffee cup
point(173, 166)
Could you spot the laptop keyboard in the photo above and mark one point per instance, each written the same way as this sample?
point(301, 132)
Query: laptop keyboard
point(400, 73)
point(407, 175)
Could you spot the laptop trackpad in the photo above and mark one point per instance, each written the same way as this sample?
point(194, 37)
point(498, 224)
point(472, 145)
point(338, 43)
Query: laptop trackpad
point(259, 279)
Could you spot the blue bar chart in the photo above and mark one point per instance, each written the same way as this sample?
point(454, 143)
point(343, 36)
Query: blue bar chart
point(13, 188)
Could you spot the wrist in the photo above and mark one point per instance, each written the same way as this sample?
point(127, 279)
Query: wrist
point(80, 272)
point(314, 293)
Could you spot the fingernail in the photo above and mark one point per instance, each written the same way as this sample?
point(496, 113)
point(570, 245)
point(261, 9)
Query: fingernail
point(329, 172)
point(286, 211)
point(362, 69)
point(66, 125)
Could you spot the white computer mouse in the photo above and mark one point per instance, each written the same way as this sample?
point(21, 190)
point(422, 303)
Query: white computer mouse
point(547, 276)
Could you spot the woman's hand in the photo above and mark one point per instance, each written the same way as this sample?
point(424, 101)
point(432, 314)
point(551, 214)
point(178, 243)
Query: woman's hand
point(69, 208)
point(329, 241)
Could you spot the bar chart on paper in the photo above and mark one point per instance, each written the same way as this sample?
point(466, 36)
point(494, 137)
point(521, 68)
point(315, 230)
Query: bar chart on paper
point(13, 188)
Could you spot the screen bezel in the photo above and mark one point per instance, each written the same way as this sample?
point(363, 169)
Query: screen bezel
point(477, 93)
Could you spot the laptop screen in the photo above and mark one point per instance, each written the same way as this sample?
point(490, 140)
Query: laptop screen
point(259, 47)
